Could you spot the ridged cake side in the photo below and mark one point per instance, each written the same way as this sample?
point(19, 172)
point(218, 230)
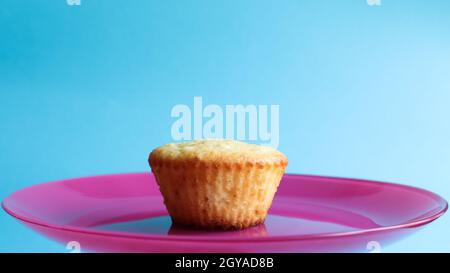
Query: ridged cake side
point(215, 195)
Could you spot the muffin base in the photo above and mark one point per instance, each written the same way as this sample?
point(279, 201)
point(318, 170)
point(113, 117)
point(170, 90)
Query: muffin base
point(216, 225)
point(217, 196)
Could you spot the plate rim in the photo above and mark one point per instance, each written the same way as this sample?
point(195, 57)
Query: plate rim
point(443, 204)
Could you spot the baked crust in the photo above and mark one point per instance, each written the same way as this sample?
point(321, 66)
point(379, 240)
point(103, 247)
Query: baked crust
point(212, 188)
point(217, 152)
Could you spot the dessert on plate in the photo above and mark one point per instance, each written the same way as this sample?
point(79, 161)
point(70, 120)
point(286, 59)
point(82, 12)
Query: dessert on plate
point(217, 184)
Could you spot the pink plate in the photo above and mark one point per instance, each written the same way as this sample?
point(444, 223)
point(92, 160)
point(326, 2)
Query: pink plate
point(125, 213)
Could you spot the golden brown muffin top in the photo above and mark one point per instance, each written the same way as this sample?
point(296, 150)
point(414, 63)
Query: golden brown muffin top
point(217, 151)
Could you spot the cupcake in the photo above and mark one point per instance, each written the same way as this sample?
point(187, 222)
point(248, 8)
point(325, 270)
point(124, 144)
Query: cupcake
point(217, 184)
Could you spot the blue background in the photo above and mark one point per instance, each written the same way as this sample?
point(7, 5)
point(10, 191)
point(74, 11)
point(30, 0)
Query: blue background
point(364, 91)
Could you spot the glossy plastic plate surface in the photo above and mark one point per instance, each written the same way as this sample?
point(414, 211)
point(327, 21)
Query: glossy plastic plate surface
point(125, 213)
